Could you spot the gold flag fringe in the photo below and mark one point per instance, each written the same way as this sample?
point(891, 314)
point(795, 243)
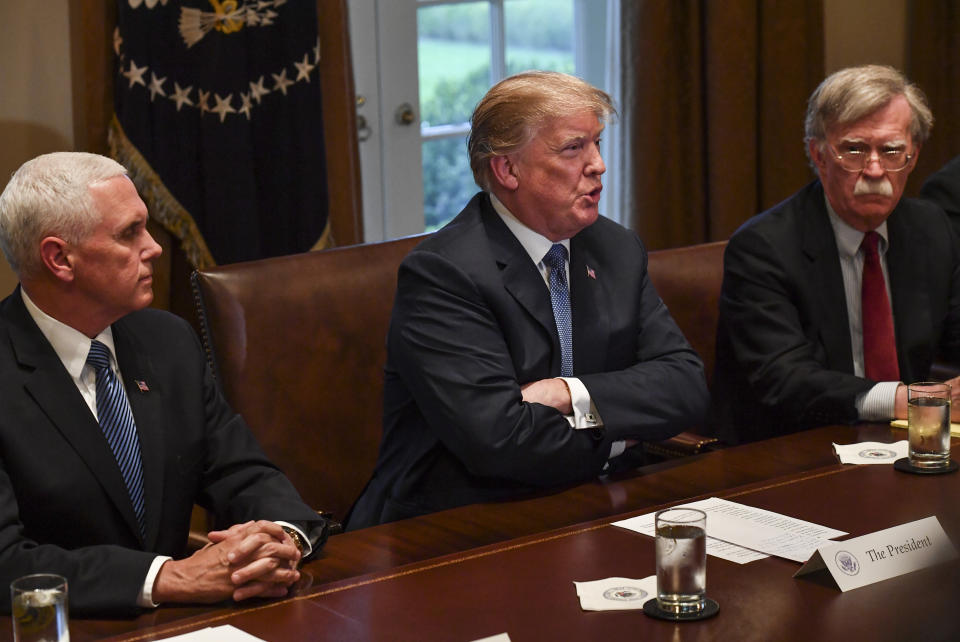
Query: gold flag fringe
point(163, 206)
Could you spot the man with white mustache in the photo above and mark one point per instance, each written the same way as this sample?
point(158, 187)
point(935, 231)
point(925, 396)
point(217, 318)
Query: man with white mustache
point(835, 297)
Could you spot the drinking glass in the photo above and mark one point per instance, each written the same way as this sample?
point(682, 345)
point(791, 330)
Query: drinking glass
point(39, 608)
point(681, 543)
point(928, 417)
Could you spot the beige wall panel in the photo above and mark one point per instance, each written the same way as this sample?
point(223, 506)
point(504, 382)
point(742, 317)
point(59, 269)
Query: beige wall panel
point(858, 32)
point(35, 111)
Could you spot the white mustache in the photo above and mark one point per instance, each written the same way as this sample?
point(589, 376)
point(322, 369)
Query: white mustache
point(866, 187)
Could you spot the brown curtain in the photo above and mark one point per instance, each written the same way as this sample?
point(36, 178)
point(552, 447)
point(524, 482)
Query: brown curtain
point(933, 62)
point(714, 100)
point(91, 47)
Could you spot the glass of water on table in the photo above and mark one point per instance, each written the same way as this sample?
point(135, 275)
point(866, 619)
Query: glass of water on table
point(928, 418)
point(681, 552)
point(39, 608)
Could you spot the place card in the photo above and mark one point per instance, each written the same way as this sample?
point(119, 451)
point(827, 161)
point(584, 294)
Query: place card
point(879, 556)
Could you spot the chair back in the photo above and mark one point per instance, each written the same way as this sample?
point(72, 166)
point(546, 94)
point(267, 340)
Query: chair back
point(298, 346)
point(688, 280)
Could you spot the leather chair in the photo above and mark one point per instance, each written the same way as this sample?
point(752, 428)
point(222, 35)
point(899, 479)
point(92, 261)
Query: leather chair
point(688, 280)
point(297, 344)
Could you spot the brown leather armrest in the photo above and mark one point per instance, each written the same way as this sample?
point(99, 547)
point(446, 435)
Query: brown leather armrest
point(682, 445)
point(195, 541)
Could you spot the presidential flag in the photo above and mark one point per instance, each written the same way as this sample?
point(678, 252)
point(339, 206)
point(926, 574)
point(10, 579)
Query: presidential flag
point(218, 119)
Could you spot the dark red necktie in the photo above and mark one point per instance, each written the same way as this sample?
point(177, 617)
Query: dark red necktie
point(879, 344)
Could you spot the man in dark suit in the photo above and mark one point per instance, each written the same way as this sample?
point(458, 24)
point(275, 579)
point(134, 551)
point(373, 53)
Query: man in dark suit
point(112, 426)
point(834, 297)
point(500, 377)
point(943, 188)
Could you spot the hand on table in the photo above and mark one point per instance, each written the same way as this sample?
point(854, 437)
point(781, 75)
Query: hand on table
point(255, 559)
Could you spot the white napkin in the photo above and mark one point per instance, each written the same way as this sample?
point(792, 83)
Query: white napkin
point(871, 452)
point(616, 593)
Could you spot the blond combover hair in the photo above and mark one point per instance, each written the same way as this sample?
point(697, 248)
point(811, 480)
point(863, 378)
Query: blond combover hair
point(50, 196)
point(516, 108)
point(850, 94)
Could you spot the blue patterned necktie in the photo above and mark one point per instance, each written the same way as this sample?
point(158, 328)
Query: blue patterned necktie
point(116, 421)
point(556, 260)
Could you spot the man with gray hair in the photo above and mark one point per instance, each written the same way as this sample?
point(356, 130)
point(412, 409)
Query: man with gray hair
point(112, 427)
point(511, 367)
point(837, 295)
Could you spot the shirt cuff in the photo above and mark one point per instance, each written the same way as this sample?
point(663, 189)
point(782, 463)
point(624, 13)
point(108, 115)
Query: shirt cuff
point(617, 448)
point(306, 540)
point(145, 600)
point(878, 403)
point(580, 400)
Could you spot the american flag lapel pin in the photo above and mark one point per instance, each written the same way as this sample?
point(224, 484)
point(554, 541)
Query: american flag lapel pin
point(142, 385)
point(591, 273)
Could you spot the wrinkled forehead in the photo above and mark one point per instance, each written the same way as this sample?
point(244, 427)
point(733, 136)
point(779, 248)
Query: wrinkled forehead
point(889, 123)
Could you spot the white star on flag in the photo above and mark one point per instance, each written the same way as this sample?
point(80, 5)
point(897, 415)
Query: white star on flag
point(257, 90)
point(245, 104)
point(281, 82)
point(135, 74)
point(156, 86)
point(304, 68)
point(223, 106)
point(204, 102)
point(117, 40)
point(181, 96)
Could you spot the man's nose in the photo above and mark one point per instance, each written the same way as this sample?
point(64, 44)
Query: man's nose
point(873, 167)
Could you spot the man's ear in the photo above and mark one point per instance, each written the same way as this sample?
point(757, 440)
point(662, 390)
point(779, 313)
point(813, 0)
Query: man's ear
point(55, 256)
point(916, 155)
point(504, 172)
point(816, 153)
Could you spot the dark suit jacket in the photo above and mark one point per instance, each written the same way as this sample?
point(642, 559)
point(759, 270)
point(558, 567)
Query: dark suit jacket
point(784, 358)
point(63, 504)
point(943, 188)
point(472, 322)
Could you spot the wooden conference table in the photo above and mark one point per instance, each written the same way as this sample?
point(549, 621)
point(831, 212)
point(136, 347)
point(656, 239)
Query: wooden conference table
point(509, 567)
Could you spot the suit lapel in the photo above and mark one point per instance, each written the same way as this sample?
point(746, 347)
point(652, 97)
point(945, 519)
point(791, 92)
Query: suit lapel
point(521, 278)
point(911, 305)
point(589, 307)
point(823, 265)
point(49, 384)
point(145, 395)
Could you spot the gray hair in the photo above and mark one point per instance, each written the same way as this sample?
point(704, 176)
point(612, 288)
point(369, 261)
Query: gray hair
point(850, 94)
point(516, 108)
point(50, 196)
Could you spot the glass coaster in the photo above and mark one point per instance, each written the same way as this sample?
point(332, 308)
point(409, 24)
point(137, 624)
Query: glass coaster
point(903, 465)
point(710, 608)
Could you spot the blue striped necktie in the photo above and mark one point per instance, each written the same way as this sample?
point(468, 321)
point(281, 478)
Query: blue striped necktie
point(116, 421)
point(556, 260)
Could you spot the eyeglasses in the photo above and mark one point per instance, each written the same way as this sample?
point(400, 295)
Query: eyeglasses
point(856, 157)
